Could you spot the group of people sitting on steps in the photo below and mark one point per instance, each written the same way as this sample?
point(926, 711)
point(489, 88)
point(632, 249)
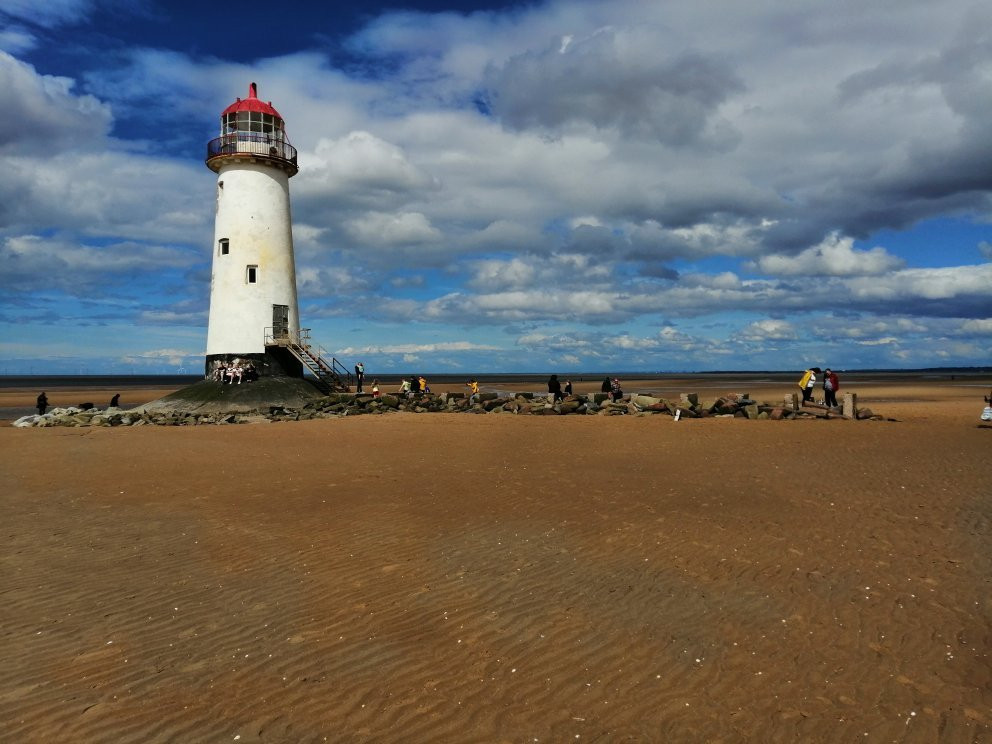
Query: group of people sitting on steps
point(235, 372)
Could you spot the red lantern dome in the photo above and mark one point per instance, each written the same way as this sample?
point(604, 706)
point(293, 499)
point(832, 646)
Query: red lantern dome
point(252, 130)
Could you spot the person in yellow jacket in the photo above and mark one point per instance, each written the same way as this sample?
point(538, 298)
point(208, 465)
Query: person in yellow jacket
point(807, 381)
point(473, 390)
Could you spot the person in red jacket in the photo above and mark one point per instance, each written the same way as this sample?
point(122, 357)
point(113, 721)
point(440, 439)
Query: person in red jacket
point(830, 387)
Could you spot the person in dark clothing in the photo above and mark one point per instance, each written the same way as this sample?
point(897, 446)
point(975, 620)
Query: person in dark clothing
point(415, 385)
point(616, 393)
point(359, 376)
point(554, 389)
point(606, 386)
point(568, 388)
point(830, 387)
point(113, 401)
point(42, 404)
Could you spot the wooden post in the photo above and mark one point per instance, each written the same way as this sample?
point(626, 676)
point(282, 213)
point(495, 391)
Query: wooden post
point(851, 405)
point(791, 402)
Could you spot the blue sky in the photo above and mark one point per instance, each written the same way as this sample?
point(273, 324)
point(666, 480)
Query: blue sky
point(517, 186)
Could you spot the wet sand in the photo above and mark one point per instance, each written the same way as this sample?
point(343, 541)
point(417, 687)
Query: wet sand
point(423, 578)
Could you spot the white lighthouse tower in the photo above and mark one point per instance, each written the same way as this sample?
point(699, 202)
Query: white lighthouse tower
point(253, 308)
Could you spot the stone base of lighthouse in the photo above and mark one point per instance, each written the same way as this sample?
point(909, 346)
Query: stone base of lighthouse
point(277, 361)
point(259, 396)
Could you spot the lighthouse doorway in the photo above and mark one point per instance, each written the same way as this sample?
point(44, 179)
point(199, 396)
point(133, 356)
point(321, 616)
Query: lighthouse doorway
point(280, 321)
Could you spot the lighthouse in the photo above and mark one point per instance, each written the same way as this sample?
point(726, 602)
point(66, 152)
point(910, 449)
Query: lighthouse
point(254, 316)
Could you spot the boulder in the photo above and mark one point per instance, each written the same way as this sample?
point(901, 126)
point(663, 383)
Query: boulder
point(646, 401)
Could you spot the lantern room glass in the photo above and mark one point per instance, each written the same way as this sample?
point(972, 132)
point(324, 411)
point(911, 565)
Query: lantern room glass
point(254, 122)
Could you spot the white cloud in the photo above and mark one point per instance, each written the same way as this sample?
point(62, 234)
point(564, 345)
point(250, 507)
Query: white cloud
point(383, 229)
point(982, 326)
point(769, 329)
point(835, 256)
point(359, 167)
point(41, 113)
point(884, 341)
point(32, 262)
point(169, 356)
point(408, 349)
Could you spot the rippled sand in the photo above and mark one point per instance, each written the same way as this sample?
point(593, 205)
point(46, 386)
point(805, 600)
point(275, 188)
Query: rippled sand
point(500, 578)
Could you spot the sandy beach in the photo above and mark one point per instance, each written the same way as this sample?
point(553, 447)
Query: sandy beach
point(499, 578)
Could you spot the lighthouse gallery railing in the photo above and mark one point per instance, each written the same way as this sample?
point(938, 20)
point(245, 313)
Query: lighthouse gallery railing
point(250, 143)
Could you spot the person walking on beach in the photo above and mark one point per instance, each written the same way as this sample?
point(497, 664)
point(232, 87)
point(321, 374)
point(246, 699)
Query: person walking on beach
point(830, 387)
point(114, 400)
point(42, 404)
point(359, 376)
point(554, 389)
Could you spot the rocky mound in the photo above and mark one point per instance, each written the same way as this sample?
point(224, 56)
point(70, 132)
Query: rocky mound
point(212, 403)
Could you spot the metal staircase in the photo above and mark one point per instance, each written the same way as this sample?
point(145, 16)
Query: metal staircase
point(329, 374)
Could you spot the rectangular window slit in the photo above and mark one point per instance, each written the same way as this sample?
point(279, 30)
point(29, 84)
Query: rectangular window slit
point(252, 275)
point(224, 246)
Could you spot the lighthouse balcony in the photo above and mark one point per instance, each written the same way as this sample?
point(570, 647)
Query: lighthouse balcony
point(251, 147)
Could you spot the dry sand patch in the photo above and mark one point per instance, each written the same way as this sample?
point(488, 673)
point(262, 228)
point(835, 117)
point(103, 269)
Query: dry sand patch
point(499, 578)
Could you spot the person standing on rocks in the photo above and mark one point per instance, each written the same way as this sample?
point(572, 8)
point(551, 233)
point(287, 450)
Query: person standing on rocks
point(605, 387)
point(616, 393)
point(568, 388)
point(554, 389)
point(806, 383)
point(473, 390)
point(42, 404)
point(359, 376)
point(830, 387)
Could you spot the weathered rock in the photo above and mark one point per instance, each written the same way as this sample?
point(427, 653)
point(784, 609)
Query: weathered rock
point(648, 402)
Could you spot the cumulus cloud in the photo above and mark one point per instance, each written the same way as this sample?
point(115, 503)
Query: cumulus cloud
point(360, 167)
point(408, 349)
point(173, 357)
point(769, 329)
point(384, 229)
point(43, 115)
point(591, 166)
point(835, 256)
point(616, 78)
point(981, 326)
point(32, 262)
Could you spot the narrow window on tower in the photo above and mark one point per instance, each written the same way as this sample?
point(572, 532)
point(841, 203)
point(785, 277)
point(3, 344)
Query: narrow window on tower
point(251, 277)
point(223, 246)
